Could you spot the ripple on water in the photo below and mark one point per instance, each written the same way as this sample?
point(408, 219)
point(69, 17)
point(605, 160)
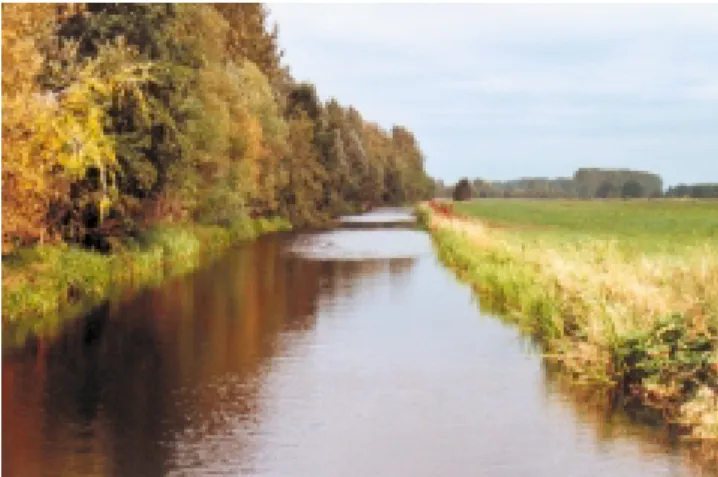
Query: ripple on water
point(371, 244)
point(386, 215)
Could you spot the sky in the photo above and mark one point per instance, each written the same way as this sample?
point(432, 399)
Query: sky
point(502, 91)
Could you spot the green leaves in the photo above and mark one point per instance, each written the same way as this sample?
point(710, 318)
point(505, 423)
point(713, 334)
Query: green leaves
point(675, 354)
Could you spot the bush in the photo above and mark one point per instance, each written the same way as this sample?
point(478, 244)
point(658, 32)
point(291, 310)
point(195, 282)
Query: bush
point(462, 191)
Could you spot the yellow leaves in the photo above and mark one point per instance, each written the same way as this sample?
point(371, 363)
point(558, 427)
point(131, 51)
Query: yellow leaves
point(254, 149)
point(204, 28)
point(26, 184)
point(25, 28)
point(50, 139)
point(253, 132)
point(82, 142)
point(104, 206)
point(257, 98)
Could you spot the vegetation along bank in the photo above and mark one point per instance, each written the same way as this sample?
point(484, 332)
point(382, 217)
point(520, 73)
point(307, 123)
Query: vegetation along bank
point(140, 134)
point(623, 293)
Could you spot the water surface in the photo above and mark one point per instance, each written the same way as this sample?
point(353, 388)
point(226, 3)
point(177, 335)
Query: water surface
point(343, 353)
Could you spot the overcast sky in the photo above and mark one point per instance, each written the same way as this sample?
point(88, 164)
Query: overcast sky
point(503, 91)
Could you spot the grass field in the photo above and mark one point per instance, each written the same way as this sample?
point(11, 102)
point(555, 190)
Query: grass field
point(652, 225)
point(623, 292)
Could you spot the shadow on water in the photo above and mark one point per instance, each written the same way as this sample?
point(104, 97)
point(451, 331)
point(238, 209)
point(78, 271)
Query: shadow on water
point(346, 352)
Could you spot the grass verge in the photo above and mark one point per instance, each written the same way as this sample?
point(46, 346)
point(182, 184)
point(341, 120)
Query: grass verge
point(46, 285)
point(646, 324)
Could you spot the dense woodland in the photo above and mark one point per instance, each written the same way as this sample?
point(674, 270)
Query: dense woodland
point(585, 184)
point(117, 117)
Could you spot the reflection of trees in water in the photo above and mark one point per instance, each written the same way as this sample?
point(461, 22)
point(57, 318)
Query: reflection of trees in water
point(176, 365)
point(343, 278)
point(601, 408)
point(184, 364)
point(400, 266)
point(126, 378)
point(399, 270)
point(96, 385)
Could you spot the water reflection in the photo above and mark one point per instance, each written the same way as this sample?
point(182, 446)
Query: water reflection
point(287, 358)
point(386, 216)
point(601, 411)
point(363, 244)
point(169, 379)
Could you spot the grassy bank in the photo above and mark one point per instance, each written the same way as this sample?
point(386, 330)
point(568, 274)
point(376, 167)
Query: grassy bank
point(621, 293)
point(45, 285)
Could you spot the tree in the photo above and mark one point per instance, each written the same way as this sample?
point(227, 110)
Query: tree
point(137, 114)
point(59, 162)
point(693, 190)
point(26, 183)
point(606, 190)
point(301, 195)
point(632, 189)
point(249, 38)
point(462, 191)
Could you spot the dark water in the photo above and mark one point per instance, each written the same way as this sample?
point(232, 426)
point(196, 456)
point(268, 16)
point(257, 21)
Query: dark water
point(343, 353)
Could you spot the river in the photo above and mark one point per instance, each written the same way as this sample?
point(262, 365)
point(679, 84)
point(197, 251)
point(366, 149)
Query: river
point(341, 353)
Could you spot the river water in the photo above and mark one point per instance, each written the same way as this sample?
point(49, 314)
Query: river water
point(343, 353)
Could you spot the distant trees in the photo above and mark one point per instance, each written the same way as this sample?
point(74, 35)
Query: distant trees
point(441, 189)
point(133, 114)
point(699, 191)
point(606, 190)
point(632, 189)
point(586, 183)
point(589, 181)
point(462, 190)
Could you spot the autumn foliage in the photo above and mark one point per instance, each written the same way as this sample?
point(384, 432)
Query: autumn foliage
point(118, 117)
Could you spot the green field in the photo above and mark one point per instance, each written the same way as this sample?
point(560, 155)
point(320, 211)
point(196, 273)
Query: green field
point(662, 221)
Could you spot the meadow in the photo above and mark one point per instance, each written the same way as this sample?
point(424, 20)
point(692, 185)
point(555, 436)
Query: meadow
point(623, 293)
point(651, 225)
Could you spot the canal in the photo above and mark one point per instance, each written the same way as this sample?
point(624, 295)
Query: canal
point(349, 352)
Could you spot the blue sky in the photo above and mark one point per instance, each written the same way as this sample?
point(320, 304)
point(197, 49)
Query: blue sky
point(503, 91)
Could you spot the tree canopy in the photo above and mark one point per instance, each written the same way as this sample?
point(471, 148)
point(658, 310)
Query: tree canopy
point(118, 116)
point(462, 191)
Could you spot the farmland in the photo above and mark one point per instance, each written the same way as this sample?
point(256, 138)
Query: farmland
point(653, 225)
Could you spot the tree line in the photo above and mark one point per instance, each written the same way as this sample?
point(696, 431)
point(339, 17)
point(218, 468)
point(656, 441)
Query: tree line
point(120, 116)
point(698, 191)
point(586, 183)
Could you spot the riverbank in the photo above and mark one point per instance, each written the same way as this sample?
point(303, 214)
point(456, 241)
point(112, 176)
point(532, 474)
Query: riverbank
point(46, 285)
point(643, 323)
